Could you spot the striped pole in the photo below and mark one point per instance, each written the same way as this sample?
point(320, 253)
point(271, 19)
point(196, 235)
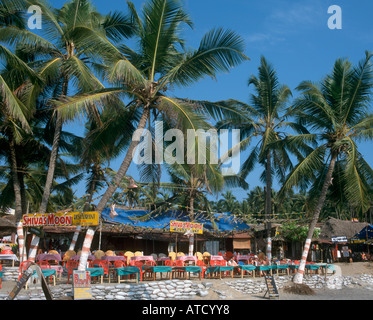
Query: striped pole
point(298, 278)
point(269, 248)
point(33, 248)
point(85, 250)
point(21, 242)
point(191, 245)
point(75, 237)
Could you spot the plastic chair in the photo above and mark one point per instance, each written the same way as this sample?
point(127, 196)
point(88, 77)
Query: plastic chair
point(109, 253)
point(138, 254)
point(23, 267)
point(46, 265)
point(106, 265)
point(169, 263)
point(98, 254)
point(53, 252)
point(199, 256)
point(228, 255)
point(179, 263)
point(150, 263)
point(119, 264)
point(129, 255)
point(71, 266)
point(180, 254)
point(201, 264)
point(172, 255)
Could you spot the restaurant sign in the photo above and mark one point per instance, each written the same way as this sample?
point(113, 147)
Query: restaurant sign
point(61, 219)
point(339, 239)
point(181, 226)
point(82, 285)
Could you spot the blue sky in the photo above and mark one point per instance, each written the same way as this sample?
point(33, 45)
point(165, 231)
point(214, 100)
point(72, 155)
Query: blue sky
point(292, 35)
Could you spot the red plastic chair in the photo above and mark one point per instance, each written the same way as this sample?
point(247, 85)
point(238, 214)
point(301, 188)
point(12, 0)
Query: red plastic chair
point(44, 265)
point(71, 265)
point(214, 263)
point(107, 266)
point(201, 264)
point(23, 267)
point(119, 264)
point(150, 263)
point(169, 263)
point(96, 262)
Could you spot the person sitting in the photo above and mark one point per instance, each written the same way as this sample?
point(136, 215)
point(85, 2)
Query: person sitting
point(232, 262)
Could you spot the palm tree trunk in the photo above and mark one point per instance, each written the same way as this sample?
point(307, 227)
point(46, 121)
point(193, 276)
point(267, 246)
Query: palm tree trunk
point(54, 154)
point(268, 205)
point(298, 278)
point(124, 166)
point(191, 215)
point(113, 186)
point(16, 184)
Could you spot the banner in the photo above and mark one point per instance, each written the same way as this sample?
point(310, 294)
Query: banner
point(181, 226)
point(61, 219)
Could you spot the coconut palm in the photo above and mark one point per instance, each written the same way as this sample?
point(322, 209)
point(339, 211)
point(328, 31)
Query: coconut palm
point(268, 122)
point(15, 113)
point(144, 74)
point(59, 56)
point(337, 111)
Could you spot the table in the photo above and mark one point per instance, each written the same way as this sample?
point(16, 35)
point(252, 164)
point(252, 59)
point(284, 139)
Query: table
point(282, 267)
point(140, 258)
point(58, 268)
point(187, 258)
point(160, 269)
point(12, 257)
point(114, 258)
point(126, 271)
point(46, 273)
point(216, 258)
point(189, 269)
point(219, 269)
point(97, 272)
point(243, 257)
point(77, 257)
point(48, 256)
point(247, 267)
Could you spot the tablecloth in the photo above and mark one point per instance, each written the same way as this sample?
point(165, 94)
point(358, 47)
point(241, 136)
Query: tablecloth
point(219, 258)
point(188, 268)
point(114, 258)
point(219, 269)
point(312, 266)
point(8, 257)
point(247, 267)
point(243, 257)
point(126, 271)
point(48, 256)
point(96, 272)
point(141, 258)
point(46, 273)
point(187, 258)
point(77, 257)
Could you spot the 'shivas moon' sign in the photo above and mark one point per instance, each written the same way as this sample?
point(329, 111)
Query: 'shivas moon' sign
point(182, 226)
point(61, 219)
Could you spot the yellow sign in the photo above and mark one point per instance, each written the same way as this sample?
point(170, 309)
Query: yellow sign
point(85, 218)
point(61, 219)
point(181, 226)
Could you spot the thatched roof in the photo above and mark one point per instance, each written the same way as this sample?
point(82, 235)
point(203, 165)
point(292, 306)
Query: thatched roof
point(337, 228)
point(7, 225)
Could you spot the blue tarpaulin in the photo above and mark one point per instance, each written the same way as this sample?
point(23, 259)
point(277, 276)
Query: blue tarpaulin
point(365, 234)
point(225, 222)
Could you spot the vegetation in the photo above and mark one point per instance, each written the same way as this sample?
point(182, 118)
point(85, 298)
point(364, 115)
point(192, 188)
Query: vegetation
point(117, 73)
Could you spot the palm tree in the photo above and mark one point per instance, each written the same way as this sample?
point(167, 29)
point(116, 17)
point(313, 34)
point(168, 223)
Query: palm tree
point(15, 113)
point(267, 121)
point(60, 57)
point(337, 111)
point(159, 63)
point(144, 75)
